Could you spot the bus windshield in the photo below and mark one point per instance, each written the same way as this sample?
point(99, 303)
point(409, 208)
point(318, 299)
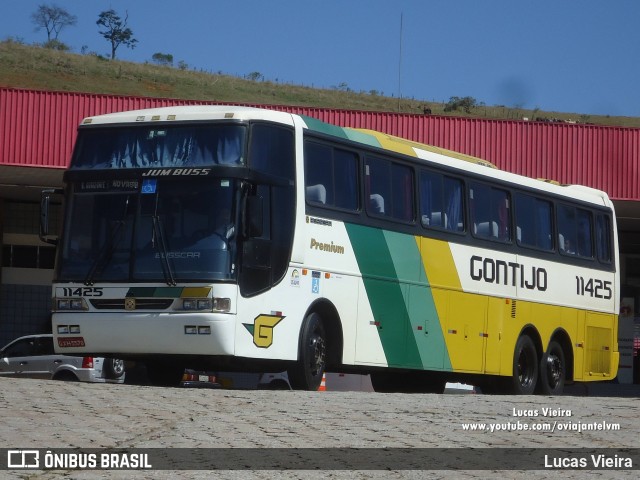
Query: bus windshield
point(159, 146)
point(161, 230)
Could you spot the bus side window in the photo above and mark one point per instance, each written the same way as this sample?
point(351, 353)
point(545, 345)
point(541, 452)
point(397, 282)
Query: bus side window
point(566, 230)
point(318, 167)
point(389, 188)
point(575, 227)
point(345, 172)
point(534, 222)
point(272, 150)
point(490, 212)
point(378, 185)
point(266, 258)
point(603, 238)
point(331, 176)
point(441, 201)
point(584, 234)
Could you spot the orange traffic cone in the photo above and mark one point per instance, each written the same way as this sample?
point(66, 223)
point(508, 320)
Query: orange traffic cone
point(323, 383)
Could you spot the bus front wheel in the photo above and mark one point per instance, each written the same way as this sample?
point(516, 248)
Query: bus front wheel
point(307, 372)
point(552, 370)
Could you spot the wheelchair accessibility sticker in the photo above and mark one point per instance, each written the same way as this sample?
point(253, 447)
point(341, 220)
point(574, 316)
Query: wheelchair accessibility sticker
point(315, 282)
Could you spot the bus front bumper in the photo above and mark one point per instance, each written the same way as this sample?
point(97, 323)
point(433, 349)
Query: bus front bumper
point(131, 334)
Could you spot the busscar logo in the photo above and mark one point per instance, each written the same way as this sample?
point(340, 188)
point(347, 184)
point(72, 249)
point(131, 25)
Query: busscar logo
point(167, 172)
point(262, 329)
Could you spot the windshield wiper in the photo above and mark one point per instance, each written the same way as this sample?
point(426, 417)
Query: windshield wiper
point(104, 256)
point(158, 232)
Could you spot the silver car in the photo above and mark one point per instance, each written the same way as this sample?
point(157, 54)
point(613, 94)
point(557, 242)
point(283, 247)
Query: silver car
point(33, 356)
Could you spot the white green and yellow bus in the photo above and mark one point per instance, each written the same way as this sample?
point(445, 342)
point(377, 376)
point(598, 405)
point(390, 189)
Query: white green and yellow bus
point(234, 238)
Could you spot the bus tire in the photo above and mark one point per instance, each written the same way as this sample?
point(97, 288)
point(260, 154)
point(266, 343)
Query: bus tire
point(525, 367)
point(553, 370)
point(307, 372)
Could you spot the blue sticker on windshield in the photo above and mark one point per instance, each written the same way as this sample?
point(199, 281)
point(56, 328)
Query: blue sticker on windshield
point(149, 185)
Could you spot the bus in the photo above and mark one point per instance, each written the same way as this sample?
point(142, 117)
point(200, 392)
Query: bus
point(233, 238)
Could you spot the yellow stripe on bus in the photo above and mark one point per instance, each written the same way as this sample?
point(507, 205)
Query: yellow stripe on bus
point(200, 292)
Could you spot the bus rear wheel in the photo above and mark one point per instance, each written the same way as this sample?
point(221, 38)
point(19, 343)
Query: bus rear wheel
point(308, 371)
point(553, 370)
point(525, 367)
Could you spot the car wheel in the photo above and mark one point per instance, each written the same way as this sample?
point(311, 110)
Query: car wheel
point(113, 368)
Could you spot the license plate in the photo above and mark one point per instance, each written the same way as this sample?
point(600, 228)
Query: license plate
point(71, 342)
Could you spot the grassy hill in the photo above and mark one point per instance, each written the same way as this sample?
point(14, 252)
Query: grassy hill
point(27, 66)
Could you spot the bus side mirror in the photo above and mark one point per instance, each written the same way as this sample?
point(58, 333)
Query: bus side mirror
point(45, 202)
point(254, 217)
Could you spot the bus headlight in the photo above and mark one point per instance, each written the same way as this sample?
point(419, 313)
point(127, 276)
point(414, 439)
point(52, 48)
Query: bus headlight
point(207, 304)
point(196, 304)
point(222, 304)
point(71, 304)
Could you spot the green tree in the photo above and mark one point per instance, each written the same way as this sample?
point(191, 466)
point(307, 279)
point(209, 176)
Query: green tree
point(255, 76)
point(116, 30)
point(57, 45)
point(464, 103)
point(162, 58)
point(53, 19)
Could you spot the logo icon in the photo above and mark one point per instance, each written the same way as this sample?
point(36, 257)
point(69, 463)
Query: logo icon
point(149, 185)
point(129, 303)
point(23, 459)
point(295, 278)
point(315, 282)
point(262, 329)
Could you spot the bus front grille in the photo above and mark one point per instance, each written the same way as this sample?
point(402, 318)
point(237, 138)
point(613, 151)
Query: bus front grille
point(126, 304)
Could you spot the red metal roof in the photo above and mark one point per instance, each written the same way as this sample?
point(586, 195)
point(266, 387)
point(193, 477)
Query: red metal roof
point(38, 128)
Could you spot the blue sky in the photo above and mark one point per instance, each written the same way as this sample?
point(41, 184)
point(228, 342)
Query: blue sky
point(579, 56)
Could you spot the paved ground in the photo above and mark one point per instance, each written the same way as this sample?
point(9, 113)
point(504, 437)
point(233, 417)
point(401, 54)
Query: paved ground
point(54, 415)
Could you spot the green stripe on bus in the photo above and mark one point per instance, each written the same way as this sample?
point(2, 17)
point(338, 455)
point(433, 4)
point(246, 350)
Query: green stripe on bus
point(400, 298)
point(424, 322)
point(362, 137)
point(327, 129)
point(387, 296)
